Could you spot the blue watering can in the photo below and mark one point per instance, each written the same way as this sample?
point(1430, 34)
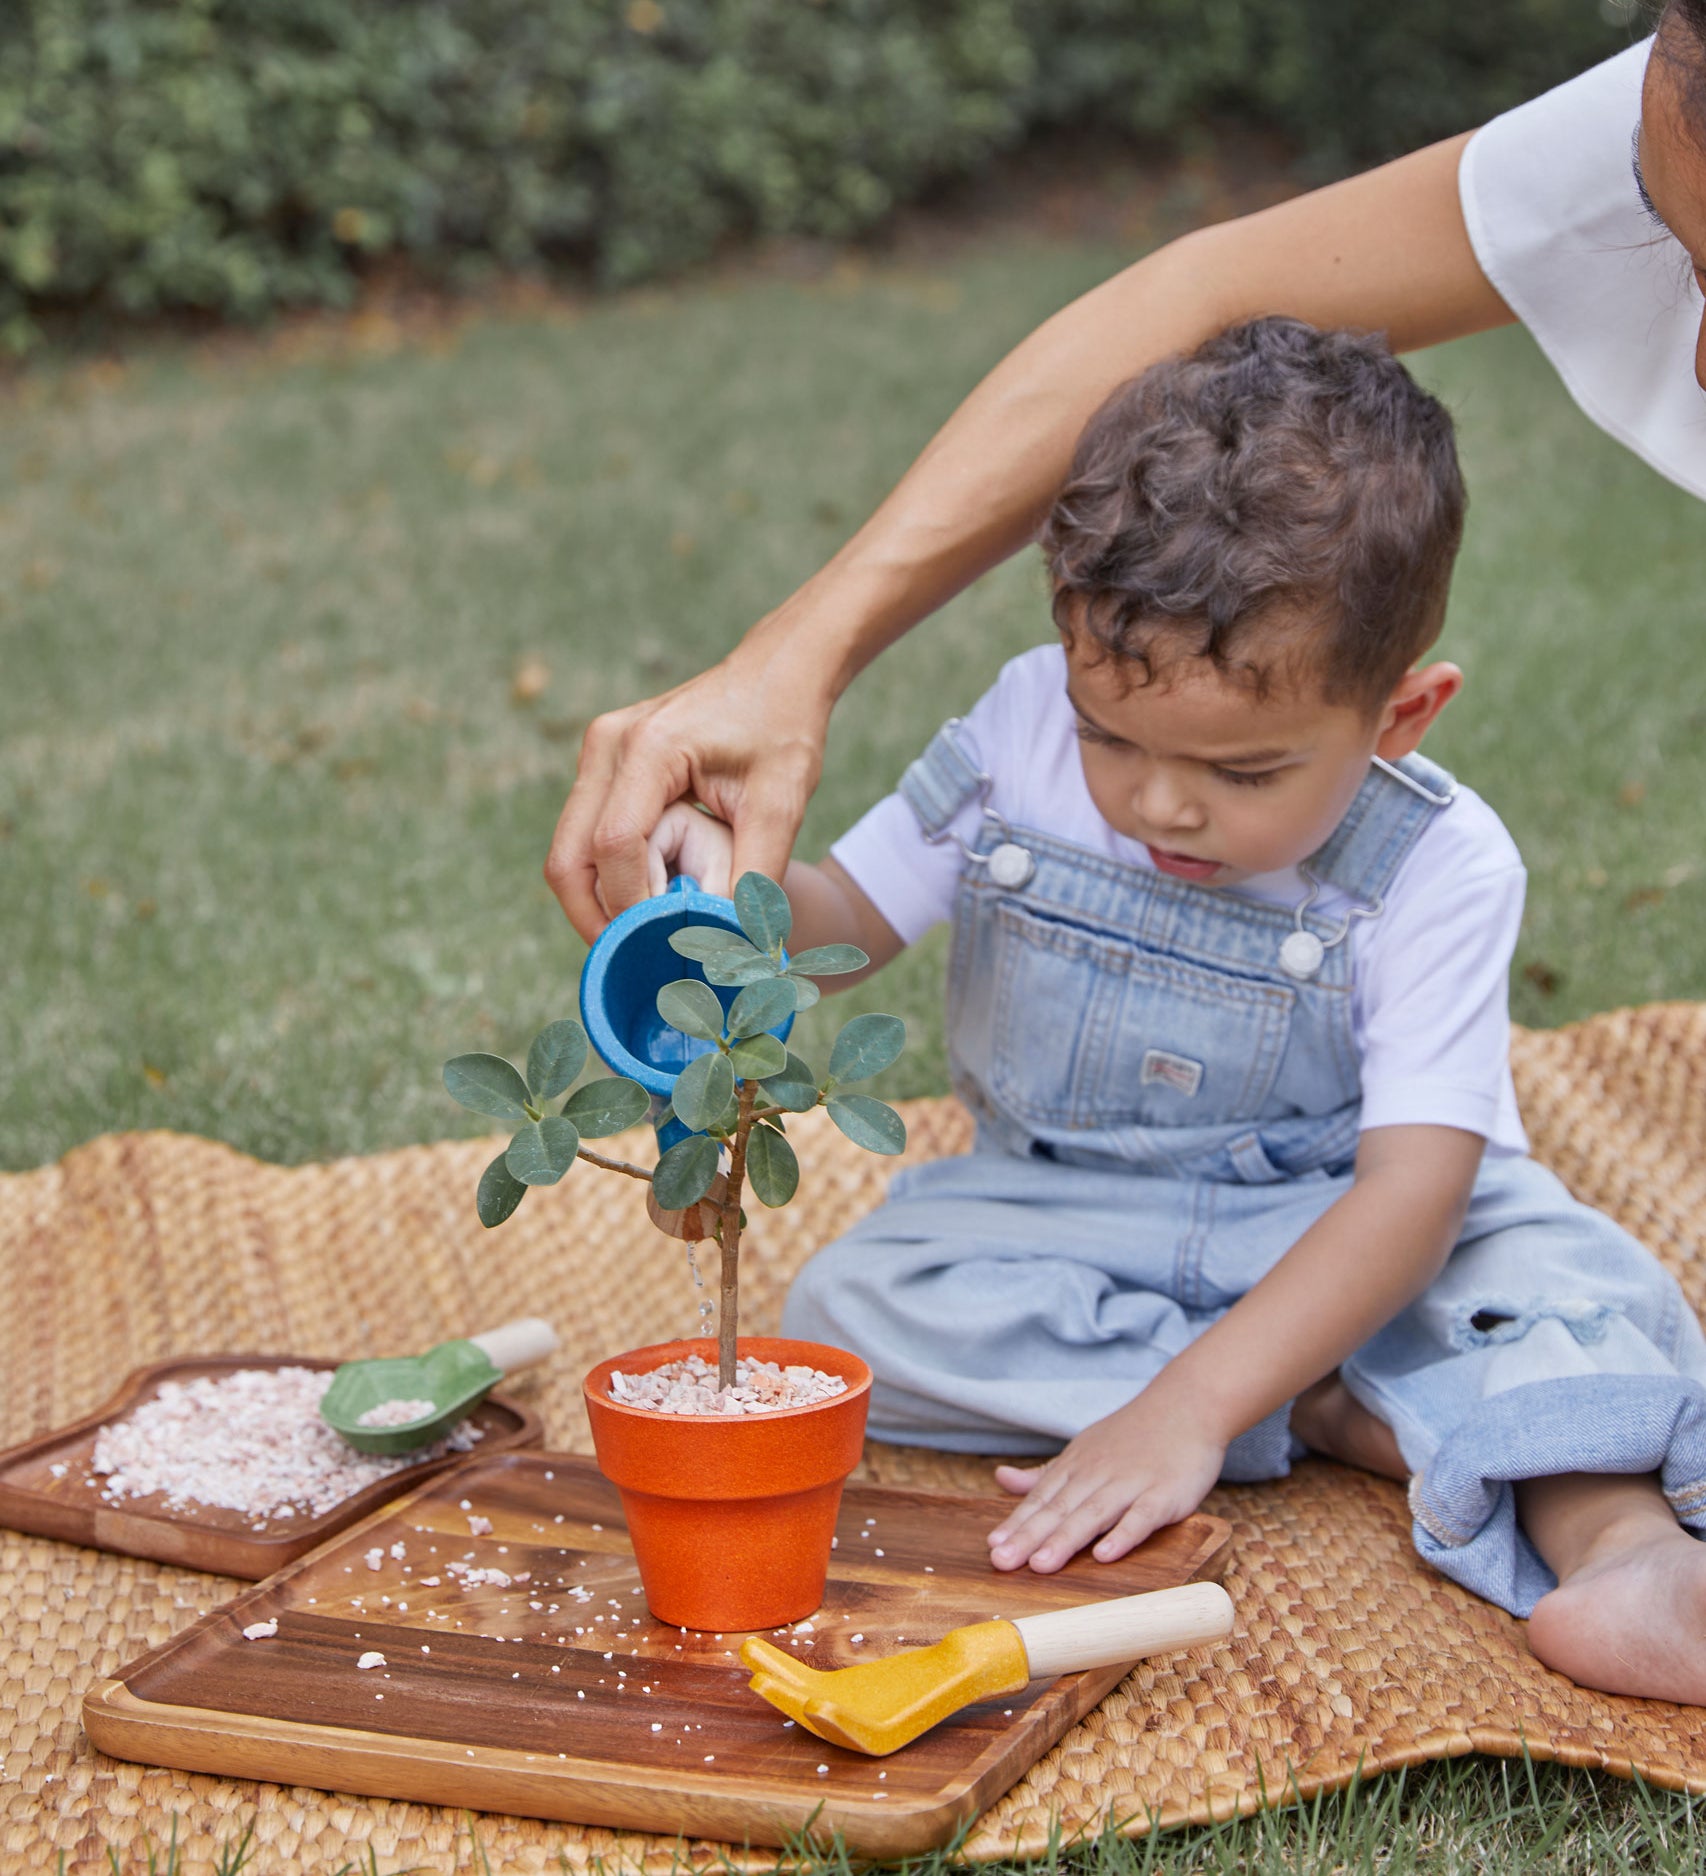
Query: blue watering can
point(630, 963)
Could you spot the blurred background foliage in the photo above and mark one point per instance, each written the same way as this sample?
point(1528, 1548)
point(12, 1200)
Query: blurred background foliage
point(238, 156)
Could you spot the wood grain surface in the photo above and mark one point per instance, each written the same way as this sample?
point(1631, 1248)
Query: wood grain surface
point(547, 1690)
point(47, 1488)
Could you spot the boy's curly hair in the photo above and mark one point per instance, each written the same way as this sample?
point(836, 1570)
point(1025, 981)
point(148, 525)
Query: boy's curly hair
point(1284, 501)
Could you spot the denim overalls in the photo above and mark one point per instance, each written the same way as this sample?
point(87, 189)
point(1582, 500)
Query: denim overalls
point(1162, 1110)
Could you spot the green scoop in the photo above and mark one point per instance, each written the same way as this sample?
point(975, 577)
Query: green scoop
point(454, 1378)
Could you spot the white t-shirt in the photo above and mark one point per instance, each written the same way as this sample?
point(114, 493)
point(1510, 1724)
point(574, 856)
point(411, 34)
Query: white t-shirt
point(1430, 974)
point(1557, 224)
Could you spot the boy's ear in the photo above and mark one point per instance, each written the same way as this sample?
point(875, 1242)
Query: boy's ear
point(1418, 698)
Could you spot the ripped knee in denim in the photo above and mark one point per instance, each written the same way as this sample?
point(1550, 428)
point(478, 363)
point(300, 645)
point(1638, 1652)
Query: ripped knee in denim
point(1493, 1321)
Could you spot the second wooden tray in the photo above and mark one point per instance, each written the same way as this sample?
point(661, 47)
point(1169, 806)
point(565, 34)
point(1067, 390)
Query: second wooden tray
point(45, 1483)
point(516, 1668)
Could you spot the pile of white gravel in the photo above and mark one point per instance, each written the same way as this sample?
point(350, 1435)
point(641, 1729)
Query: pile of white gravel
point(250, 1441)
point(690, 1387)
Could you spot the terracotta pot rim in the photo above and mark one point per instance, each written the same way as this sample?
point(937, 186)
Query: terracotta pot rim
point(651, 1416)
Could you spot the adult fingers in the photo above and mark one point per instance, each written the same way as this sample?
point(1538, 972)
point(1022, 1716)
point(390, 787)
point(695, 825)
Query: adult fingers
point(766, 811)
point(570, 870)
point(628, 775)
point(651, 771)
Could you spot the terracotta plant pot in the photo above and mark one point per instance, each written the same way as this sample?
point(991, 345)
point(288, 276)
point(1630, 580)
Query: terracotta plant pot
point(731, 1515)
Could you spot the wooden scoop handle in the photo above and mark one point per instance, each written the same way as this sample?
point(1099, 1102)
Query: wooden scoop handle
point(1125, 1628)
point(516, 1344)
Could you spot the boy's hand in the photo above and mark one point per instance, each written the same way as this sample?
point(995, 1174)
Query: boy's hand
point(688, 840)
point(1150, 1463)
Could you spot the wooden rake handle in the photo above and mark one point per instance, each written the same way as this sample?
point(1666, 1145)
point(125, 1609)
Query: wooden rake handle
point(1125, 1628)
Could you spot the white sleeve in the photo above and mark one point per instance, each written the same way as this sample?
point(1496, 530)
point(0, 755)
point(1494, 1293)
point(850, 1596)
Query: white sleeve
point(910, 880)
point(1553, 215)
point(1433, 983)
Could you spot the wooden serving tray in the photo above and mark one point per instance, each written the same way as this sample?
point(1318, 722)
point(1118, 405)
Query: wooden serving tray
point(45, 1489)
point(557, 1695)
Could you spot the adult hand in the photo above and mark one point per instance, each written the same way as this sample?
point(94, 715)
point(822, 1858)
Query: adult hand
point(1149, 1463)
point(744, 739)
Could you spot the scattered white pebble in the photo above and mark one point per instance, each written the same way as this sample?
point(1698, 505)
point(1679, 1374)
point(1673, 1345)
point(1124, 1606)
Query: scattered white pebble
point(372, 1659)
point(823, 1771)
point(479, 1527)
point(260, 1631)
point(374, 1558)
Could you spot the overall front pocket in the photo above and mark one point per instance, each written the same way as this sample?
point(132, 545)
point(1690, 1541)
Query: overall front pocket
point(1092, 1031)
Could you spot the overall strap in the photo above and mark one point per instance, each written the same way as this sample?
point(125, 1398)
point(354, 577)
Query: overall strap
point(1395, 803)
point(942, 781)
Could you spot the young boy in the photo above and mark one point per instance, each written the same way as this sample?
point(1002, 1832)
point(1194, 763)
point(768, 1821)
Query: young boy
point(1227, 999)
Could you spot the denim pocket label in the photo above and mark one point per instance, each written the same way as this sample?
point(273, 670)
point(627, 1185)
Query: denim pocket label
point(1178, 1072)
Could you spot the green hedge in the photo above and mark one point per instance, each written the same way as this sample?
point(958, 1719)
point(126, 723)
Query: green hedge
point(239, 155)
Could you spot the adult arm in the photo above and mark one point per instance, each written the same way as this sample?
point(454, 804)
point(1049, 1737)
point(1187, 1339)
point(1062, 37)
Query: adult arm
point(1386, 251)
point(1151, 1462)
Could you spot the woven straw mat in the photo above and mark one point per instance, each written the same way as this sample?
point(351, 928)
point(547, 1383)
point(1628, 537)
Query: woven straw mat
point(1347, 1651)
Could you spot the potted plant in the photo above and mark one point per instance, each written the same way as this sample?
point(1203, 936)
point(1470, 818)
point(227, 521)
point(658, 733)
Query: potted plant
point(731, 1512)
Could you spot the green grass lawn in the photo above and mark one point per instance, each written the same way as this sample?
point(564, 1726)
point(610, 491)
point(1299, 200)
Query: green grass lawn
point(272, 819)
point(272, 812)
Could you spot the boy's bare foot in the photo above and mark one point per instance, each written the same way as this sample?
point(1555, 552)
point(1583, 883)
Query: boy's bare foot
point(1328, 1418)
point(1629, 1613)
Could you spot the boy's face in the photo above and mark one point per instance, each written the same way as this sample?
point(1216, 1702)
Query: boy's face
point(1218, 783)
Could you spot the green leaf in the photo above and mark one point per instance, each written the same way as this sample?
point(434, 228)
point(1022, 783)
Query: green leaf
point(757, 1057)
point(488, 1085)
point(558, 1055)
point(683, 1175)
point(745, 968)
point(793, 1089)
point(868, 1122)
point(762, 1006)
point(806, 993)
point(705, 942)
point(827, 961)
point(543, 1150)
point(693, 1008)
point(702, 1091)
point(762, 908)
point(771, 1166)
point(608, 1106)
point(728, 1120)
point(499, 1194)
point(866, 1046)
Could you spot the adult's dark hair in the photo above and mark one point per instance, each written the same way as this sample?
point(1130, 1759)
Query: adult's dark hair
point(1284, 501)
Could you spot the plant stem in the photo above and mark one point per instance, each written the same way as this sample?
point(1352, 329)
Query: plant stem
point(614, 1165)
point(728, 1303)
